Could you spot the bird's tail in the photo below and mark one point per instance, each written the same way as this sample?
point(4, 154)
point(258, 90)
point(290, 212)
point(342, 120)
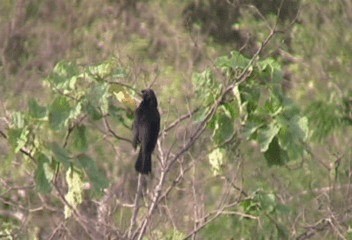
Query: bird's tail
point(144, 163)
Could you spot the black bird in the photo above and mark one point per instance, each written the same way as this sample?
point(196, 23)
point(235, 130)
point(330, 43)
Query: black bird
point(146, 128)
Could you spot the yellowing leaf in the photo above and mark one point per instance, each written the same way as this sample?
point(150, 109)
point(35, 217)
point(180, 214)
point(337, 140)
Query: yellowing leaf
point(126, 99)
point(216, 160)
point(74, 194)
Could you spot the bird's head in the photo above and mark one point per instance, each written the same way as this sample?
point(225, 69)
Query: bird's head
point(149, 97)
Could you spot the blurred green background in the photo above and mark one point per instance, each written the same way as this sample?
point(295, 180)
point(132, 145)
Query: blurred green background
point(166, 43)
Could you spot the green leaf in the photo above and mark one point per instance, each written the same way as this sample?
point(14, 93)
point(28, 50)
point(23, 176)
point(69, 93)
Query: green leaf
point(201, 115)
point(267, 201)
point(266, 135)
point(92, 111)
point(106, 69)
point(18, 120)
point(251, 128)
point(273, 106)
point(98, 97)
point(59, 112)
point(94, 174)
point(250, 206)
point(79, 138)
point(250, 93)
point(223, 123)
point(76, 111)
point(18, 138)
point(294, 132)
point(43, 174)
point(260, 202)
point(35, 110)
point(64, 76)
point(275, 155)
point(300, 127)
point(270, 69)
point(236, 60)
point(60, 154)
point(206, 86)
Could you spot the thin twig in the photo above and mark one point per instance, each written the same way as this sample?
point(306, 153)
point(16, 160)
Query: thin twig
point(180, 119)
point(107, 125)
point(136, 206)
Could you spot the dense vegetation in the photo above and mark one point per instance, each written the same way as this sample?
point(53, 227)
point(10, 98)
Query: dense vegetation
point(256, 113)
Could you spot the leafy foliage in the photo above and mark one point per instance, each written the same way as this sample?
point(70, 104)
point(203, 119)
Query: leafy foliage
point(79, 93)
point(237, 139)
point(266, 115)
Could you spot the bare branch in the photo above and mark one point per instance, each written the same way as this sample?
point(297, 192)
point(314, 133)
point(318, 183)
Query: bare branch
point(180, 119)
point(136, 205)
point(107, 125)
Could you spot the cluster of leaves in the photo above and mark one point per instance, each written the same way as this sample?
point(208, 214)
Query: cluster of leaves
point(261, 206)
point(257, 108)
point(266, 205)
point(55, 137)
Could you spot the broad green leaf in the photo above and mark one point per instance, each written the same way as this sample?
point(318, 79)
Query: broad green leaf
point(250, 93)
point(267, 201)
point(76, 111)
point(251, 128)
point(223, 123)
point(60, 154)
point(273, 106)
point(18, 138)
point(250, 206)
point(106, 69)
point(79, 138)
point(206, 86)
point(74, 194)
point(43, 174)
point(275, 155)
point(98, 97)
point(300, 127)
point(236, 60)
point(66, 69)
point(92, 111)
point(35, 110)
point(294, 132)
point(270, 69)
point(119, 73)
point(94, 174)
point(259, 202)
point(18, 120)
point(59, 112)
point(202, 114)
point(266, 135)
point(64, 76)
point(216, 160)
